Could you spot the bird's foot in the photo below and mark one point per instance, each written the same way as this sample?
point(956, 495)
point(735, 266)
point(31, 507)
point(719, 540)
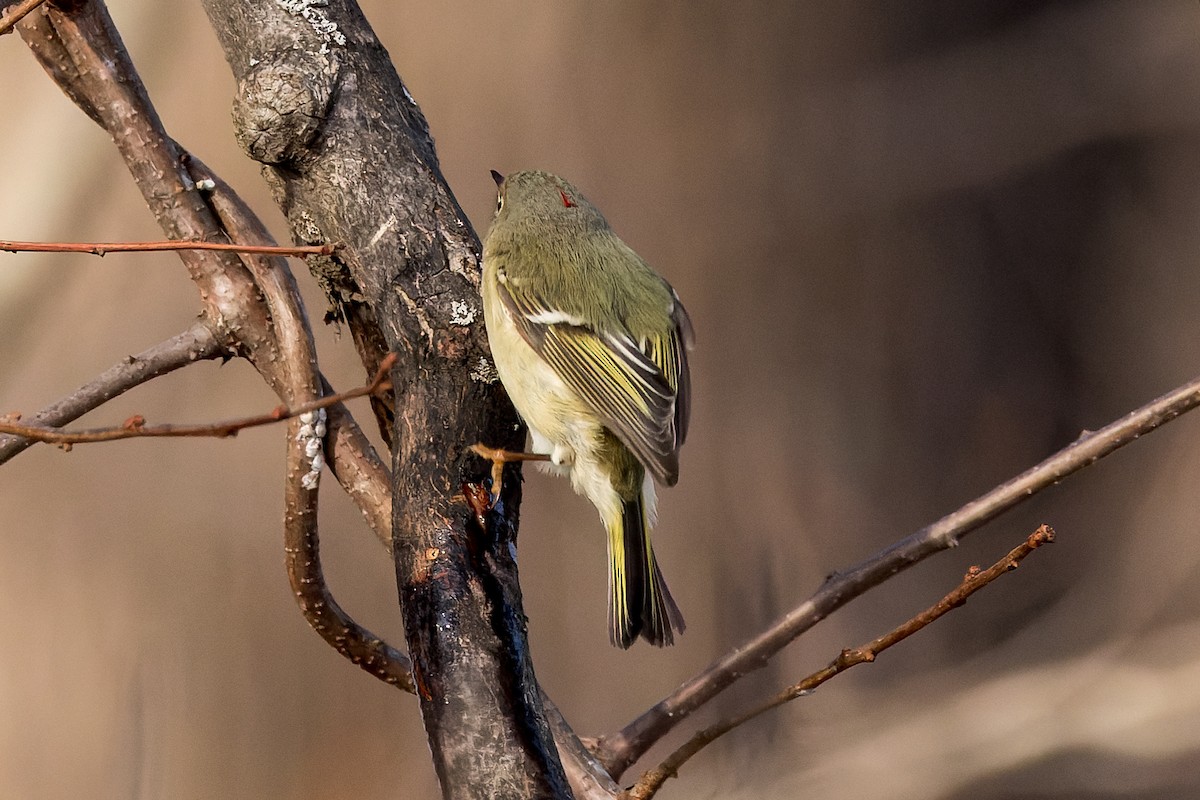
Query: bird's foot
point(499, 458)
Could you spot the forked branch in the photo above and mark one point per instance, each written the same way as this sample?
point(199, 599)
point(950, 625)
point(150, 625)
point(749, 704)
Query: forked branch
point(620, 750)
point(975, 579)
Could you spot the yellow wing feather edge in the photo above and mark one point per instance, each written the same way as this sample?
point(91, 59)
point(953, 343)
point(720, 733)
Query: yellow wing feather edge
point(640, 389)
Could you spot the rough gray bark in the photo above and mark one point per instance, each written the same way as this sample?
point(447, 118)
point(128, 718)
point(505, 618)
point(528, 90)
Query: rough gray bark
point(349, 158)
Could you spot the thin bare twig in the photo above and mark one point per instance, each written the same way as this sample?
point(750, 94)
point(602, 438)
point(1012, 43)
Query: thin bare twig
point(17, 13)
point(975, 579)
point(135, 427)
point(104, 248)
point(620, 750)
point(195, 344)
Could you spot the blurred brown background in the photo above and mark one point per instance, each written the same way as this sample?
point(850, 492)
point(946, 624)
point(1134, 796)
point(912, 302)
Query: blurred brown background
point(923, 244)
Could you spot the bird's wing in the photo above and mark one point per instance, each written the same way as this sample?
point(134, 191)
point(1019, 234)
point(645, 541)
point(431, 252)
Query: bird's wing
point(669, 354)
point(639, 389)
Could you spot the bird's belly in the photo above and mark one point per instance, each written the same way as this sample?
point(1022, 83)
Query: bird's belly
point(560, 424)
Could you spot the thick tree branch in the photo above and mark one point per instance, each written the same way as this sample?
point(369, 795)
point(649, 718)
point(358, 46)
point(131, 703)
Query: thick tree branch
point(320, 104)
point(302, 546)
point(649, 784)
point(619, 751)
point(589, 780)
point(194, 344)
point(44, 42)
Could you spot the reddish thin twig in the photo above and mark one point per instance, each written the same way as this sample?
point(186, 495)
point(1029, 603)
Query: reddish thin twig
point(17, 13)
point(135, 426)
point(975, 579)
point(103, 248)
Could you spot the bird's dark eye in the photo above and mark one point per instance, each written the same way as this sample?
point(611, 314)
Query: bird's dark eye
point(499, 201)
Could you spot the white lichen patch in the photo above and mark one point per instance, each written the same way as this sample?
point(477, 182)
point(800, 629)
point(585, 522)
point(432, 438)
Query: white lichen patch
point(484, 371)
point(461, 313)
point(310, 435)
point(313, 12)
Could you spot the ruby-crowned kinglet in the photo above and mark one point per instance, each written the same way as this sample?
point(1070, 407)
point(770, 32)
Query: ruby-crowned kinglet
point(591, 345)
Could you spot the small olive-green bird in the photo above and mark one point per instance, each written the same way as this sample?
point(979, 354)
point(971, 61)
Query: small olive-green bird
point(591, 345)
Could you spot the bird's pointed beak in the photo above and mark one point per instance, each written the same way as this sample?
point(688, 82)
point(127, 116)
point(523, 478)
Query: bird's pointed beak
point(497, 177)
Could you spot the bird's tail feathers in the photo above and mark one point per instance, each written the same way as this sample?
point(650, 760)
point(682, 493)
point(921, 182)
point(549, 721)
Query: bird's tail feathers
point(639, 603)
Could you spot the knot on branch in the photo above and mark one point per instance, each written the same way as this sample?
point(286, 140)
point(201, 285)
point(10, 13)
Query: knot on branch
point(280, 106)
